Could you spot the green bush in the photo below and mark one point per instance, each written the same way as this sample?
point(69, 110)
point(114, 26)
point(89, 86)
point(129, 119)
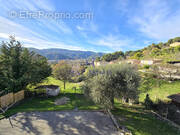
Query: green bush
point(146, 66)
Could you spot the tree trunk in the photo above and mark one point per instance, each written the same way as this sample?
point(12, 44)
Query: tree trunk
point(112, 102)
point(64, 84)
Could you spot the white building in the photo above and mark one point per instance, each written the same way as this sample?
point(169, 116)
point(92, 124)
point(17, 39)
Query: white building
point(175, 44)
point(151, 62)
point(100, 63)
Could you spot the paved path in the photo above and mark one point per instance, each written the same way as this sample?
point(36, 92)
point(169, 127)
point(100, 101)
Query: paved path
point(58, 123)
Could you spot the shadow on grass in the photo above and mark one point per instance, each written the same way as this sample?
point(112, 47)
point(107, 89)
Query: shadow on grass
point(142, 122)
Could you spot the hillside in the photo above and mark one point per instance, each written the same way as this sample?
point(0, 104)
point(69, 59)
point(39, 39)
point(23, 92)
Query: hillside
point(59, 54)
point(168, 51)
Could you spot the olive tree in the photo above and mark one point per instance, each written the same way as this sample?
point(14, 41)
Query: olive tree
point(113, 81)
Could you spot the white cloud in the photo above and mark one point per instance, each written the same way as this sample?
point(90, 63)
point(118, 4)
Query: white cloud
point(26, 5)
point(157, 19)
point(41, 43)
point(30, 38)
point(57, 26)
point(37, 37)
point(88, 26)
point(79, 28)
point(114, 42)
point(11, 28)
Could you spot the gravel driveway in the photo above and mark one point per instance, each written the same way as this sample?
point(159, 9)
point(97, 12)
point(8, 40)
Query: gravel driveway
point(58, 123)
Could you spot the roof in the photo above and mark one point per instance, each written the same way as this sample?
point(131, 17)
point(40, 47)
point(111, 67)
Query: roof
point(47, 86)
point(175, 97)
point(173, 62)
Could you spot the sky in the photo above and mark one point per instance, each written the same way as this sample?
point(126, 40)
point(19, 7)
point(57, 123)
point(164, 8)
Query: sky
point(90, 25)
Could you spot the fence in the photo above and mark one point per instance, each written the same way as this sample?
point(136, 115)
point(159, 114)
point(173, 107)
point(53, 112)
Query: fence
point(11, 98)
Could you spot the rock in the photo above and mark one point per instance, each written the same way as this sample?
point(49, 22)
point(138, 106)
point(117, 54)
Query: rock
point(62, 101)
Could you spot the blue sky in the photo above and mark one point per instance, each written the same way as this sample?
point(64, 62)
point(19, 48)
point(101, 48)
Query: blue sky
point(114, 25)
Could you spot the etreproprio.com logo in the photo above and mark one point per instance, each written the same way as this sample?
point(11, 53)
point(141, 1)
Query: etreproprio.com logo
point(50, 15)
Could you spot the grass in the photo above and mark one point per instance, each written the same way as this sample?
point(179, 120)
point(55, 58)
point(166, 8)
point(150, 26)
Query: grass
point(135, 118)
point(162, 92)
point(69, 85)
point(141, 122)
point(47, 104)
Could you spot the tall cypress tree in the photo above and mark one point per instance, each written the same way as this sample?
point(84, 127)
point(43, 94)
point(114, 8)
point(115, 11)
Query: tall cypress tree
point(19, 67)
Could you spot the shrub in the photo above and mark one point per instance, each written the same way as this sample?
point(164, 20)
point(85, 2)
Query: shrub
point(146, 66)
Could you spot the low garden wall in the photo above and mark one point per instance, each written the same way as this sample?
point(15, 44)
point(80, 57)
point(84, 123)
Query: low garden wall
point(11, 98)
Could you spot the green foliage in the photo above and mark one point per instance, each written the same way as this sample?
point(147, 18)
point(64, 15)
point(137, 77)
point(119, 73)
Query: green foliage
point(156, 52)
point(19, 67)
point(160, 50)
point(146, 84)
point(129, 53)
point(177, 49)
point(106, 83)
point(135, 117)
point(176, 39)
point(170, 41)
point(113, 56)
point(98, 59)
point(138, 55)
point(146, 66)
point(141, 122)
point(101, 90)
point(63, 71)
point(157, 88)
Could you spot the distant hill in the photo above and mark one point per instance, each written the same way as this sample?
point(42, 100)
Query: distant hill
point(64, 54)
point(168, 51)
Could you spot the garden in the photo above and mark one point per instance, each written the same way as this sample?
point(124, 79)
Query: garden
point(115, 88)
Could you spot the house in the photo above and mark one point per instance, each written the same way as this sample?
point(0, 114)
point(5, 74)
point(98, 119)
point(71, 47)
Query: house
point(175, 63)
point(175, 98)
point(150, 62)
point(175, 44)
point(51, 90)
point(100, 63)
point(133, 61)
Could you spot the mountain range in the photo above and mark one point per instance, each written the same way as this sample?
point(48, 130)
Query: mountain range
point(64, 54)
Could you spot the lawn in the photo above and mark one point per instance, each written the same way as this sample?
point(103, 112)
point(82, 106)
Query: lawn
point(77, 99)
point(162, 92)
point(141, 122)
point(47, 104)
point(135, 118)
point(69, 85)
